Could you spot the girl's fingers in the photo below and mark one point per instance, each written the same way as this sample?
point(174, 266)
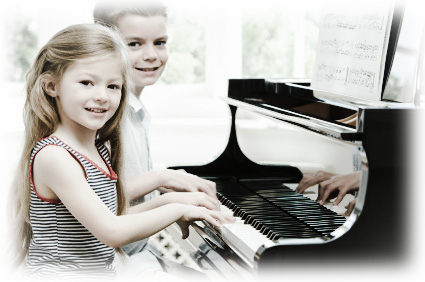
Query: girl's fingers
point(216, 204)
point(209, 218)
point(208, 202)
point(219, 218)
point(224, 218)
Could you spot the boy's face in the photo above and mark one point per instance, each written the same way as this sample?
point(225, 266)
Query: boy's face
point(146, 38)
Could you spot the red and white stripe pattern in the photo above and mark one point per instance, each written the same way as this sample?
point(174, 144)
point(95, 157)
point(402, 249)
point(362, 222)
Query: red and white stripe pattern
point(61, 247)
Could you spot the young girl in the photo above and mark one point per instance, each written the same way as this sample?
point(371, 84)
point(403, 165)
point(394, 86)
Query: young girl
point(70, 206)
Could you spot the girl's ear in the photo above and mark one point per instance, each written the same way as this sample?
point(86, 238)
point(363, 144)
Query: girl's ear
point(49, 85)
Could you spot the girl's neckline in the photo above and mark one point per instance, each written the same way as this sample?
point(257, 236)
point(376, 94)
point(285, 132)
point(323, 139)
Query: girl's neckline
point(110, 174)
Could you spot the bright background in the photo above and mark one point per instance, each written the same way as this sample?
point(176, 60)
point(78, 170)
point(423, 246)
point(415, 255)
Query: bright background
point(210, 42)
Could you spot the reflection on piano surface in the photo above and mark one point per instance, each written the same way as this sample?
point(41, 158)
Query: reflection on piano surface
point(276, 227)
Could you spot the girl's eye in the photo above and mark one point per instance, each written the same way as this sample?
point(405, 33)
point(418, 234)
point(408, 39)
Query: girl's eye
point(114, 87)
point(86, 82)
point(134, 44)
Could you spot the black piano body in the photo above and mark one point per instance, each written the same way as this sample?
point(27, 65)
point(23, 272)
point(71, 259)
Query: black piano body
point(376, 231)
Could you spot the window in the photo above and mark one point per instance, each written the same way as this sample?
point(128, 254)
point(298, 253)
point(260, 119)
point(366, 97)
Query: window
point(210, 41)
point(187, 43)
point(279, 39)
point(18, 38)
point(28, 25)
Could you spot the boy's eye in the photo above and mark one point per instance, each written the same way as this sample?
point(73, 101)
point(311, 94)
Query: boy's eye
point(86, 82)
point(160, 43)
point(133, 44)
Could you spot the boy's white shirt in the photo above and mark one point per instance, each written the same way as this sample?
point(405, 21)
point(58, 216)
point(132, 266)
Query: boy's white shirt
point(137, 158)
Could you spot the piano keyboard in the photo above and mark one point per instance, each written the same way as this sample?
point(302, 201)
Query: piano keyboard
point(268, 212)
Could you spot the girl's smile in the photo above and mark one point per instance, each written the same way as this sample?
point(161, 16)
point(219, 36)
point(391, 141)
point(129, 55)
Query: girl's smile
point(89, 92)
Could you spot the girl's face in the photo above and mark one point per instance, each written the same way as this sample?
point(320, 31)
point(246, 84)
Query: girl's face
point(89, 92)
point(146, 38)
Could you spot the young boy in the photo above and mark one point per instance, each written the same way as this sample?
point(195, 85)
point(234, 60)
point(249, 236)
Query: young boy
point(143, 25)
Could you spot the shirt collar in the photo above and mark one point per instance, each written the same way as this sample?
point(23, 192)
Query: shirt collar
point(135, 103)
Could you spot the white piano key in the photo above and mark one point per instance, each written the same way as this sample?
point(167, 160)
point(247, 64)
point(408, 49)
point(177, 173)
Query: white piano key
point(338, 209)
point(243, 237)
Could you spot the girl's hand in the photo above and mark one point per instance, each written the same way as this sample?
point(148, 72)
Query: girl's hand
point(191, 214)
point(197, 199)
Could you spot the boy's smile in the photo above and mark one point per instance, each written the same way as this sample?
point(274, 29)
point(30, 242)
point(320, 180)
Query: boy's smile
point(147, 69)
point(146, 38)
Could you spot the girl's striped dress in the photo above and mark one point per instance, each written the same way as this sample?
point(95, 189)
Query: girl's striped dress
point(61, 247)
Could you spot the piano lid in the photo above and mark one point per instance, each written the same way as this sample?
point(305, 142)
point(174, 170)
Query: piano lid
point(403, 64)
point(296, 102)
point(408, 57)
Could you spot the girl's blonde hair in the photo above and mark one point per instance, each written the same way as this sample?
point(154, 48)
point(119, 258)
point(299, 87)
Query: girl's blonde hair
point(41, 116)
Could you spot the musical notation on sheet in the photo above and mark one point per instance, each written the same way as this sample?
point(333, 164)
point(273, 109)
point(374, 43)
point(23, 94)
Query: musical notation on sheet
point(351, 49)
point(351, 77)
point(365, 22)
point(357, 50)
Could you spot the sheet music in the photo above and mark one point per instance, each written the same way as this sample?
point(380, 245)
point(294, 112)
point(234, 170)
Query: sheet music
point(352, 46)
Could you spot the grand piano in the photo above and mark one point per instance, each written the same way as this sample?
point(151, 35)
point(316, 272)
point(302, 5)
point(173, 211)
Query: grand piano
point(278, 229)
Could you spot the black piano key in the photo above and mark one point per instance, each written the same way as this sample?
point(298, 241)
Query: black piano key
point(276, 210)
point(261, 218)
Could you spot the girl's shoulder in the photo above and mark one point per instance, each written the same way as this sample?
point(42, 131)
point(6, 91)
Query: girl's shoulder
point(43, 144)
point(52, 156)
point(47, 141)
point(51, 148)
point(51, 144)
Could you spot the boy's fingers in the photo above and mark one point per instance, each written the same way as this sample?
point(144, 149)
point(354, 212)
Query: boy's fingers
point(208, 187)
point(350, 207)
point(207, 191)
point(310, 182)
point(339, 198)
point(326, 194)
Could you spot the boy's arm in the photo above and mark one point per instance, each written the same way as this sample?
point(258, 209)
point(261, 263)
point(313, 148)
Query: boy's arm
point(56, 172)
point(168, 180)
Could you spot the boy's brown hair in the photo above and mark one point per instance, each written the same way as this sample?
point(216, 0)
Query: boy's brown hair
point(109, 12)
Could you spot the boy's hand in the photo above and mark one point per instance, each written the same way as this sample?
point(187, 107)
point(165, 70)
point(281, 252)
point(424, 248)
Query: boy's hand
point(197, 199)
point(350, 207)
point(181, 181)
point(338, 186)
point(311, 180)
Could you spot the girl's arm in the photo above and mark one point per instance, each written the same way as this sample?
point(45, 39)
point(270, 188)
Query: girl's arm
point(58, 176)
point(168, 180)
point(197, 199)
